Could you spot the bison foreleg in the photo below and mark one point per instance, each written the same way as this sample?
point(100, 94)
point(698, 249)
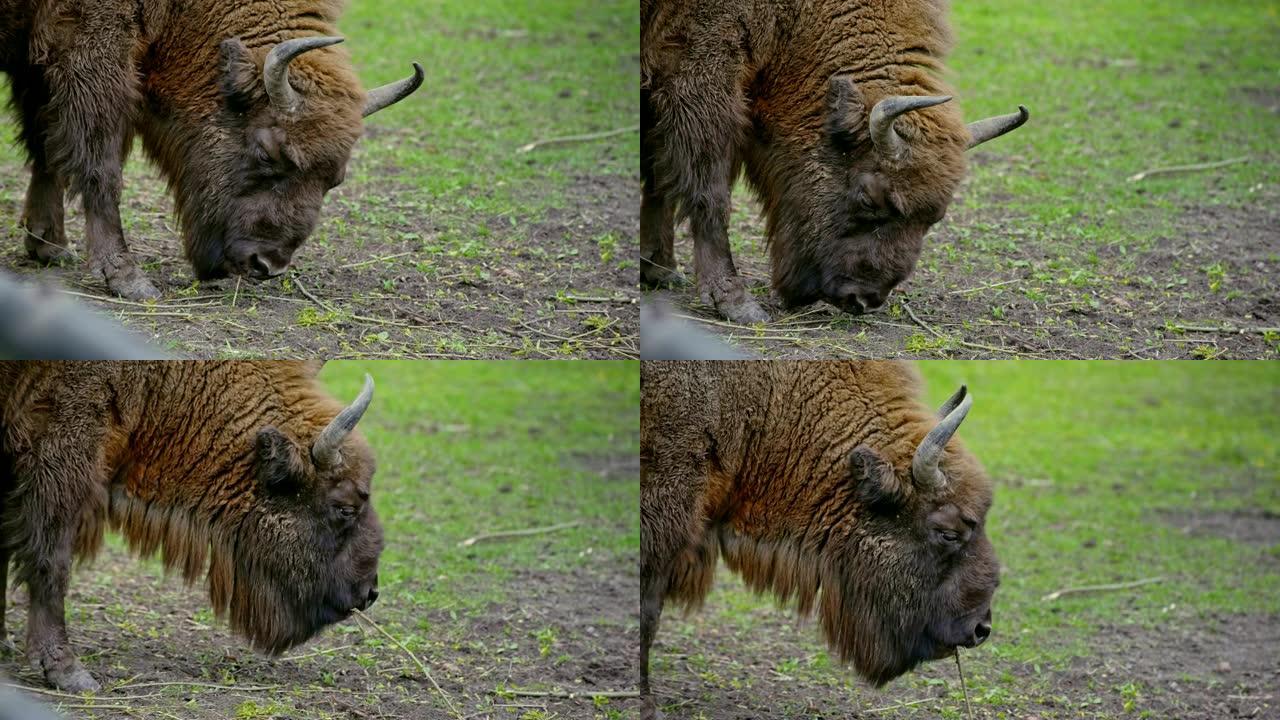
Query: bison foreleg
point(43, 233)
point(94, 96)
point(53, 485)
point(657, 241)
point(109, 257)
point(657, 215)
point(719, 284)
point(6, 642)
point(42, 215)
point(652, 592)
point(47, 646)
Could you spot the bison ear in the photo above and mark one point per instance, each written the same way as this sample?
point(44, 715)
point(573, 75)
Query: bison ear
point(280, 467)
point(877, 484)
point(846, 110)
point(239, 74)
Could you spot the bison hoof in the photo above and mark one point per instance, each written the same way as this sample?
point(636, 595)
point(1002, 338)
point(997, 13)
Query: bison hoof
point(731, 299)
point(45, 246)
point(129, 283)
point(660, 277)
point(74, 679)
point(650, 712)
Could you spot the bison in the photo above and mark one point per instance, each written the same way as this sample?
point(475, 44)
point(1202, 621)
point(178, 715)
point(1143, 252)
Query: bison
point(816, 476)
point(245, 473)
point(839, 113)
point(247, 110)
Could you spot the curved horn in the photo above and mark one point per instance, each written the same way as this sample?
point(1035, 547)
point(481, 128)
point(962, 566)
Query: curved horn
point(387, 95)
point(883, 136)
point(952, 402)
point(994, 127)
point(924, 465)
point(275, 70)
point(325, 450)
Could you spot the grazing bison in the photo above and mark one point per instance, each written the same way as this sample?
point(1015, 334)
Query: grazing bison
point(244, 107)
point(809, 476)
point(839, 112)
point(247, 473)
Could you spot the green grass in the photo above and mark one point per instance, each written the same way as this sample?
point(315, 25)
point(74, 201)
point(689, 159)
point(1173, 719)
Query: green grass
point(1115, 88)
point(499, 74)
point(1087, 458)
point(1050, 249)
point(468, 448)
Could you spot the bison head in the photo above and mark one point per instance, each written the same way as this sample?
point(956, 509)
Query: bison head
point(306, 555)
point(848, 223)
point(249, 182)
point(920, 570)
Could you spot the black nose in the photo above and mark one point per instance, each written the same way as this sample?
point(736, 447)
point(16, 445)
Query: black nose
point(981, 633)
point(261, 269)
point(373, 595)
point(871, 301)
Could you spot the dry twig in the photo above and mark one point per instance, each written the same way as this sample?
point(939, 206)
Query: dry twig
point(565, 695)
point(518, 533)
point(576, 138)
point(1100, 588)
point(421, 667)
point(1187, 168)
point(963, 687)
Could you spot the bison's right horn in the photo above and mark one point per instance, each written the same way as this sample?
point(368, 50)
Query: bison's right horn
point(924, 466)
point(886, 140)
point(325, 451)
point(993, 127)
point(275, 71)
point(387, 95)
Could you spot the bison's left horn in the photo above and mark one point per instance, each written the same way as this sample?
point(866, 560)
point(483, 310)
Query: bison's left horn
point(387, 95)
point(886, 140)
point(275, 71)
point(325, 451)
point(993, 127)
point(924, 466)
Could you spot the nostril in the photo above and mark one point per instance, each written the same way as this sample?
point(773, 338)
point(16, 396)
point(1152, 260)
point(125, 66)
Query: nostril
point(982, 632)
point(373, 595)
point(259, 266)
point(871, 301)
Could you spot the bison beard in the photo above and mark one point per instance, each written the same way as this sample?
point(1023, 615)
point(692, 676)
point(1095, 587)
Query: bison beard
point(837, 112)
point(826, 485)
point(249, 134)
point(246, 474)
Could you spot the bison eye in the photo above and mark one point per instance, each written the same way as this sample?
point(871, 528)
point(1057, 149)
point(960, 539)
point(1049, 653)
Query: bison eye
point(347, 512)
point(950, 536)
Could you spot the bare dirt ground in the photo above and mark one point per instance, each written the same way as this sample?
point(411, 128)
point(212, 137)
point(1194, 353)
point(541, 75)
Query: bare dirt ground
point(158, 653)
point(1202, 669)
point(760, 663)
point(989, 286)
point(386, 275)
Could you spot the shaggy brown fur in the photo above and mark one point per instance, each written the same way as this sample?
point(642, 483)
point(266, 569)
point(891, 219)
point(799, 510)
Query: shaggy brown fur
point(799, 474)
point(185, 75)
point(207, 464)
point(785, 89)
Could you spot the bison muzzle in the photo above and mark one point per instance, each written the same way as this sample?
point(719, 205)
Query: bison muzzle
point(839, 114)
point(827, 484)
point(246, 474)
point(248, 111)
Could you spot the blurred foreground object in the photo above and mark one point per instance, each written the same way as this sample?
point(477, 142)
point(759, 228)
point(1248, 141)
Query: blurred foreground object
point(38, 322)
point(13, 706)
point(664, 337)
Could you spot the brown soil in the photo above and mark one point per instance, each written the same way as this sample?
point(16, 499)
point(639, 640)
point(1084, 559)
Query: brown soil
point(715, 669)
point(1257, 527)
point(987, 286)
point(390, 276)
point(147, 640)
